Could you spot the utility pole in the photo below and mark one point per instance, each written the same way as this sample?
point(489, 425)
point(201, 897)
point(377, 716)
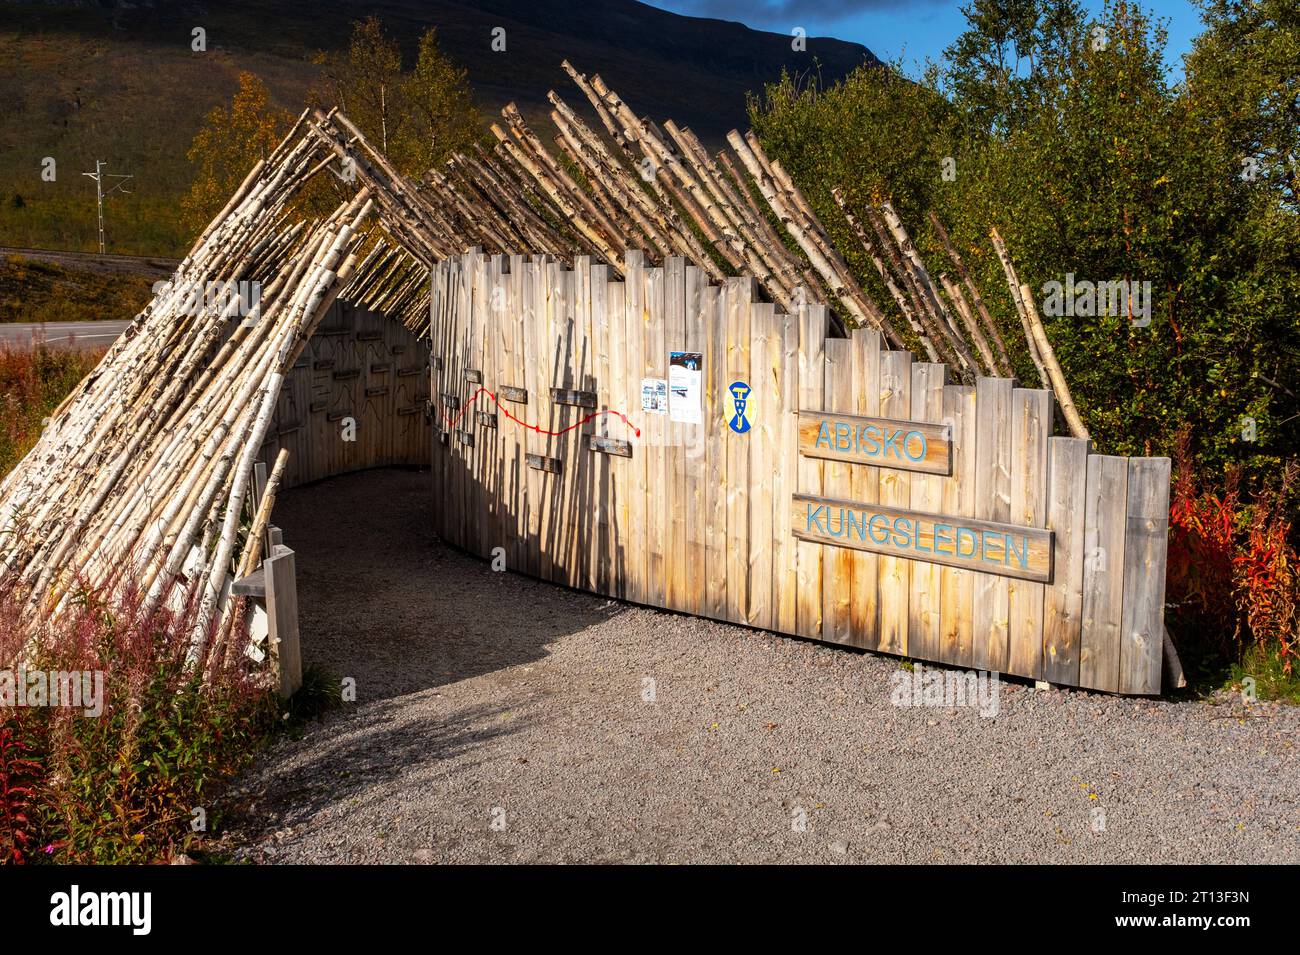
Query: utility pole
point(98, 175)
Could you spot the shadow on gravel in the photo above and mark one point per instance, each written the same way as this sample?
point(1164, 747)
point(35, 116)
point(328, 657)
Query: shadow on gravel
point(353, 760)
point(381, 602)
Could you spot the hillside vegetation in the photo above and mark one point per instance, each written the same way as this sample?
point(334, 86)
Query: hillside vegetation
point(120, 83)
point(32, 291)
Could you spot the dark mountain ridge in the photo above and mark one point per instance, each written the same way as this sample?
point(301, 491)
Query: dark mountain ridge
point(692, 69)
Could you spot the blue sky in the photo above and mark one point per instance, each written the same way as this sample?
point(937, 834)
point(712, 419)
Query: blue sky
point(912, 29)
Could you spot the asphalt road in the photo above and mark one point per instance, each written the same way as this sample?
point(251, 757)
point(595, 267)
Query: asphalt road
point(82, 335)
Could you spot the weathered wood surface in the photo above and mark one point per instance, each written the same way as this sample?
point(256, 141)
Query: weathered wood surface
point(992, 594)
point(601, 494)
point(1145, 536)
point(1063, 599)
point(1031, 426)
point(895, 574)
point(1104, 523)
point(281, 585)
point(957, 586)
point(864, 606)
point(812, 391)
point(837, 564)
point(332, 425)
point(923, 631)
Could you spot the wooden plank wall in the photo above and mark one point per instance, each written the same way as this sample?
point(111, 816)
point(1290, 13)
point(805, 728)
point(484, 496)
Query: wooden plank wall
point(697, 517)
point(363, 366)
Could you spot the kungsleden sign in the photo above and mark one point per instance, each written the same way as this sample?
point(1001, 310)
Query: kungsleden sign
point(986, 546)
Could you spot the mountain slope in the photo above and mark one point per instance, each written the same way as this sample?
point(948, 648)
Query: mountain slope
point(119, 82)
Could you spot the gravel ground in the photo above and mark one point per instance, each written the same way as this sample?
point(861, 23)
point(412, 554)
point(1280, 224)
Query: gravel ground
point(500, 719)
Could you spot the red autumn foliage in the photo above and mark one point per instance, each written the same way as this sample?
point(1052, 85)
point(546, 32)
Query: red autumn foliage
point(18, 777)
point(1232, 565)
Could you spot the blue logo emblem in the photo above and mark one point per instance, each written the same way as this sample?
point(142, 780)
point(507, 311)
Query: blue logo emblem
point(739, 395)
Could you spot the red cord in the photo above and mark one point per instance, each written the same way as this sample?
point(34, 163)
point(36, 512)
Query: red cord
point(532, 427)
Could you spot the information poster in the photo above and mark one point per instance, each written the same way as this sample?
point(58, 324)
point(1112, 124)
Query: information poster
point(654, 395)
point(684, 386)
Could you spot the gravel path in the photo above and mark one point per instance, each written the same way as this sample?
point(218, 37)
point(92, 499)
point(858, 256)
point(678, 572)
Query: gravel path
point(500, 719)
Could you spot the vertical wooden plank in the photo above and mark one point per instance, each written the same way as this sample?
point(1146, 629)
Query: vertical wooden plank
point(923, 607)
point(657, 513)
point(699, 299)
point(620, 395)
point(492, 440)
point(483, 454)
point(1030, 429)
point(530, 413)
point(516, 317)
point(461, 313)
point(442, 413)
point(574, 512)
point(634, 541)
point(447, 353)
point(483, 510)
point(573, 519)
point(1105, 503)
point(435, 401)
point(466, 356)
point(785, 404)
point(549, 318)
point(476, 498)
point(437, 360)
point(1145, 543)
point(596, 465)
point(837, 478)
point(956, 586)
point(717, 404)
point(812, 390)
point(764, 354)
point(1063, 599)
point(992, 502)
point(673, 485)
point(894, 574)
point(739, 307)
point(864, 606)
point(282, 604)
point(461, 320)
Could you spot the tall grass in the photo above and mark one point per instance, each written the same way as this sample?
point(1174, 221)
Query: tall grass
point(32, 383)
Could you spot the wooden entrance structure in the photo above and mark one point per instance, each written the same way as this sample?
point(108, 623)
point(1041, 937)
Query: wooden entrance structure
point(543, 447)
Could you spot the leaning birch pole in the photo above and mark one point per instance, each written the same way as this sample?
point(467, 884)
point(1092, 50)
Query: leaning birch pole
point(981, 310)
point(1013, 283)
point(1059, 386)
